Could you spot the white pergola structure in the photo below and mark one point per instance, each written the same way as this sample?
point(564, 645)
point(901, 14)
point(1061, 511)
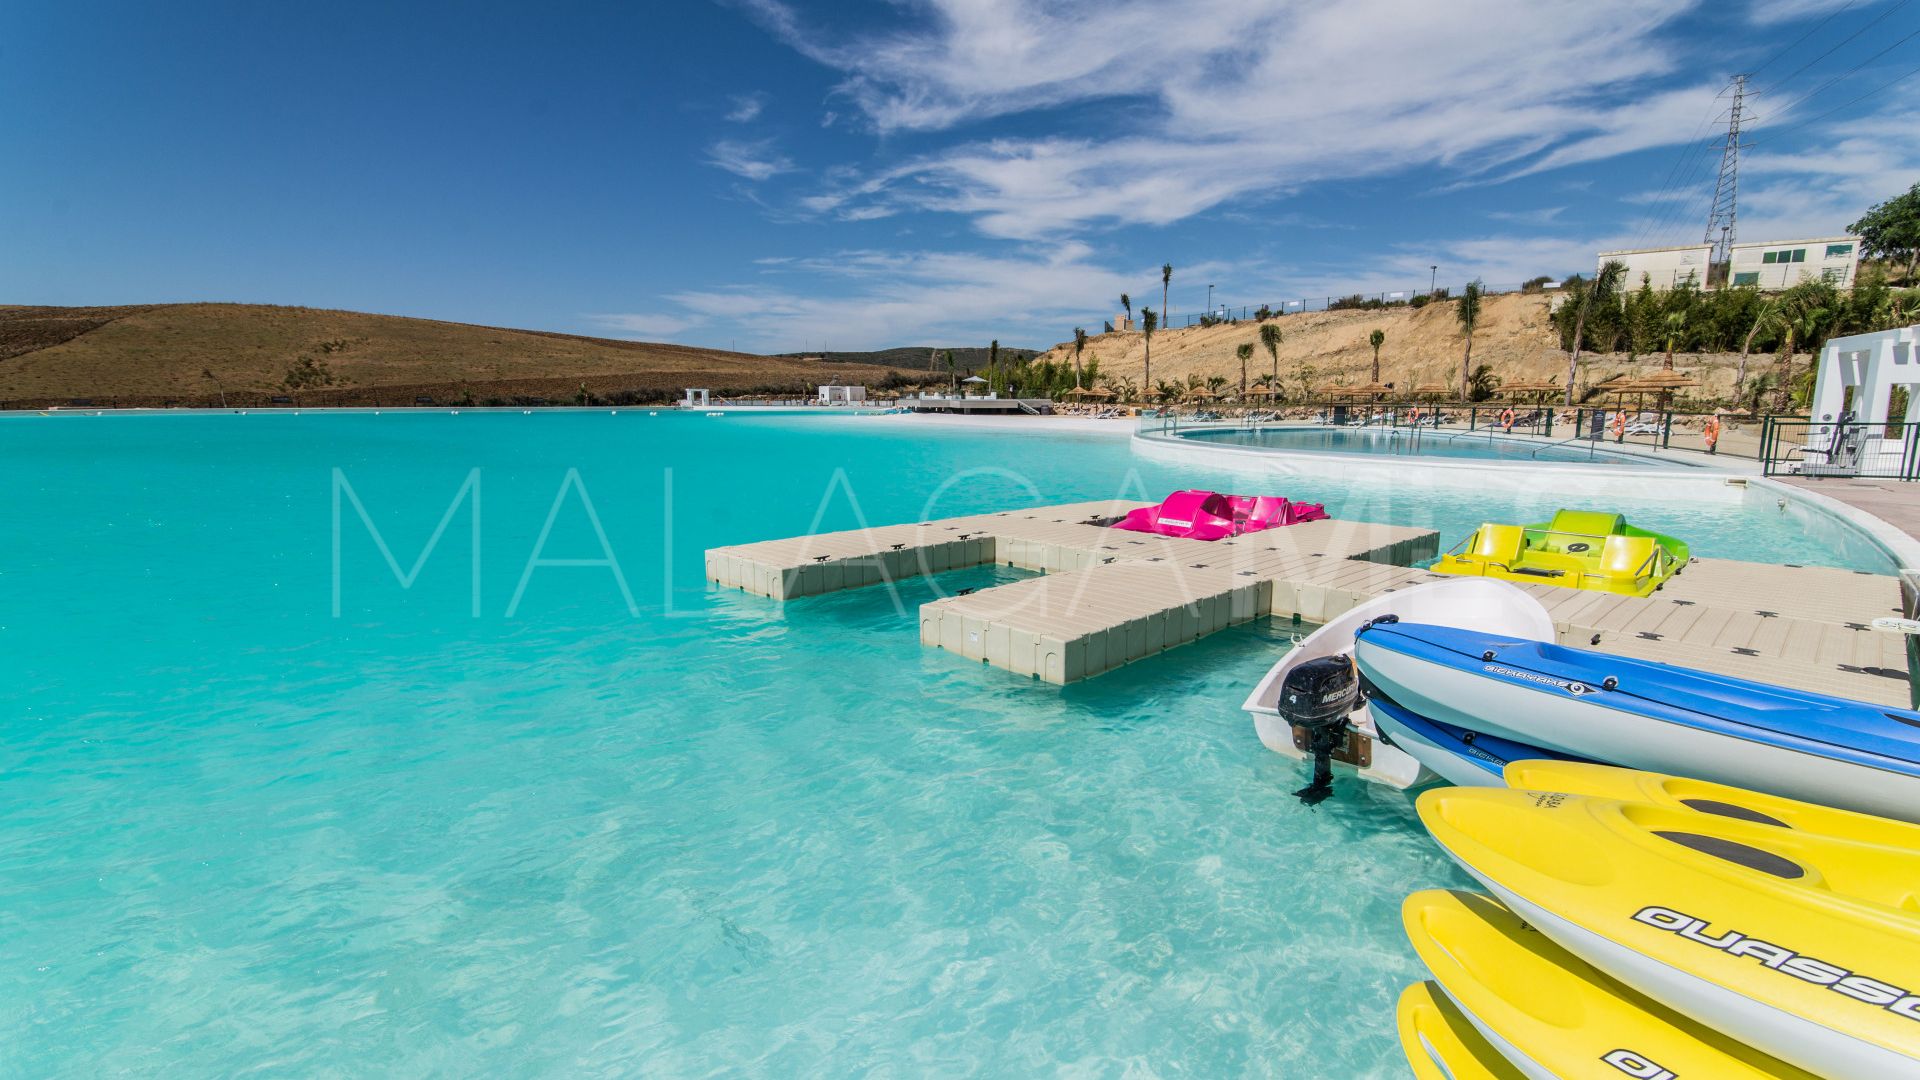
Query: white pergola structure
point(692, 402)
point(1855, 381)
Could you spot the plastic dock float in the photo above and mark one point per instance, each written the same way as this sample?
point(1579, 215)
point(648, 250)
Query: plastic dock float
point(1109, 597)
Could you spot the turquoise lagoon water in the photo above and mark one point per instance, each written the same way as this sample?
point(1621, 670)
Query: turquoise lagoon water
point(705, 835)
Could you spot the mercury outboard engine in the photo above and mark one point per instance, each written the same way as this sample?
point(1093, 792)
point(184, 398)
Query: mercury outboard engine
point(1317, 696)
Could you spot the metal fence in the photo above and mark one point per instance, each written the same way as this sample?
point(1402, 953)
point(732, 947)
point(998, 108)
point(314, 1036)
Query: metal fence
point(1797, 446)
point(1582, 426)
point(1231, 313)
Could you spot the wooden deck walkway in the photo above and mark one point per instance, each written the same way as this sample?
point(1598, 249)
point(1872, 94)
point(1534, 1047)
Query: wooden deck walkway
point(1110, 597)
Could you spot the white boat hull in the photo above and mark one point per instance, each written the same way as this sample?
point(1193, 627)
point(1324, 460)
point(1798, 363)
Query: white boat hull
point(1483, 604)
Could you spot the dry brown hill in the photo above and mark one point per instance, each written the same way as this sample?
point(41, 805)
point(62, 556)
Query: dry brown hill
point(156, 354)
point(1424, 345)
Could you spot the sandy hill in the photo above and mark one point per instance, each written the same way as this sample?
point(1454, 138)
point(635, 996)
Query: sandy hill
point(157, 353)
point(1515, 337)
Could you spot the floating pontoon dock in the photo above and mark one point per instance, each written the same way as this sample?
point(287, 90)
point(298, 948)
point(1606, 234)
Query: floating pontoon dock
point(1110, 597)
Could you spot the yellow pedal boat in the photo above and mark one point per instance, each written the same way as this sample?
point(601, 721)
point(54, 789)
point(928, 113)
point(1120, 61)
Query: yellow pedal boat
point(1578, 549)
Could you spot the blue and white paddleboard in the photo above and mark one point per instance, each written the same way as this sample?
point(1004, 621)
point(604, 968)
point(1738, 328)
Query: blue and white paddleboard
point(1460, 755)
point(1659, 717)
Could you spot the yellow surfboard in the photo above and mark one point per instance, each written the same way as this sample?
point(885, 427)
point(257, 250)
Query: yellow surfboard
point(1803, 946)
point(1550, 1013)
point(1441, 1044)
point(1680, 793)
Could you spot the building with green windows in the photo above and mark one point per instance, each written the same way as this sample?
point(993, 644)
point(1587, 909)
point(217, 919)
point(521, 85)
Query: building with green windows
point(1778, 264)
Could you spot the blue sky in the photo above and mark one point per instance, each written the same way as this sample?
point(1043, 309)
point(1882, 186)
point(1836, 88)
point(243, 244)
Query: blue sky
point(779, 176)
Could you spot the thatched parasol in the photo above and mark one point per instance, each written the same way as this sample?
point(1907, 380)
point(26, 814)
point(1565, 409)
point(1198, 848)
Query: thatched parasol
point(1199, 393)
point(1089, 392)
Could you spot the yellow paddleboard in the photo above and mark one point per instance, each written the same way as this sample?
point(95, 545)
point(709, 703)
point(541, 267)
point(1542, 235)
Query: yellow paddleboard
point(1802, 946)
point(1680, 793)
point(1441, 1044)
point(1551, 1014)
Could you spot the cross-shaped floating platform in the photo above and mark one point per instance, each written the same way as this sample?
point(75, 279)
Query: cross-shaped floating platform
point(1109, 597)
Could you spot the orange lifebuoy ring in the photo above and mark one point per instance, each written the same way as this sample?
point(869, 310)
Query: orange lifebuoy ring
point(1711, 432)
point(1506, 419)
point(1619, 424)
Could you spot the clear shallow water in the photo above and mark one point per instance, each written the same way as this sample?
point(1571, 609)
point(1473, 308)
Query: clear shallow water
point(240, 833)
point(1478, 446)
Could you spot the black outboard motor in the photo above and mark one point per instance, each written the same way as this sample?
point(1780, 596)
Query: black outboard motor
point(1317, 697)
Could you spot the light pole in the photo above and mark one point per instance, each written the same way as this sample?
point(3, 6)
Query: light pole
point(1209, 299)
point(1433, 278)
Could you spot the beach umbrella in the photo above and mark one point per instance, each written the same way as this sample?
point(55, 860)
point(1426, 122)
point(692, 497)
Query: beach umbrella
point(1200, 393)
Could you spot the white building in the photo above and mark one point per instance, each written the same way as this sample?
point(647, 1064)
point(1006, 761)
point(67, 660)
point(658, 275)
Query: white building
point(1665, 268)
point(843, 395)
point(1769, 264)
point(1779, 264)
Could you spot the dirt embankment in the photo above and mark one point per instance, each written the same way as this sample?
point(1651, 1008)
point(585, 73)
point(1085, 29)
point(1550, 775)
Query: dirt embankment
point(254, 353)
point(1324, 349)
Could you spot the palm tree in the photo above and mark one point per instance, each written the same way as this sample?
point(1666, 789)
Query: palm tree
point(1271, 337)
point(1148, 320)
point(1604, 283)
point(1169, 391)
point(1127, 302)
point(1270, 382)
point(1802, 322)
point(1123, 386)
point(952, 373)
point(1767, 316)
point(1166, 278)
point(1079, 346)
point(1377, 339)
point(1243, 352)
point(993, 365)
point(1676, 325)
point(207, 373)
point(1468, 312)
point(1216, 382)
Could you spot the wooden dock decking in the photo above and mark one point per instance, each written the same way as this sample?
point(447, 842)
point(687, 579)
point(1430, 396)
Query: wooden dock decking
point(1110, 597)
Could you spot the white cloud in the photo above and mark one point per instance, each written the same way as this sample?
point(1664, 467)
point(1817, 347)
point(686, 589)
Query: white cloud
point(754, 159)
point(647, 326)
point(1226, 98)
point(1545, 215)
point(866, 299)
point(1769, 12)
point(746, 107)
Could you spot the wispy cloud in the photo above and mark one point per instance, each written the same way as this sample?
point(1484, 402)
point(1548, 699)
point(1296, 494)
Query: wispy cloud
point(1545, 215)
point(1769, 12)
point(754, 159)
point(746, 107)
point(644, 326)
point(1555, 87)
point(860, 299)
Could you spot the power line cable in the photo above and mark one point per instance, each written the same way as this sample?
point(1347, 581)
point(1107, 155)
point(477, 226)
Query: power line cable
point(1788, 107)
point(1680, 161)
point(1817, 27)
point(1871, 23)
point(1897, 80)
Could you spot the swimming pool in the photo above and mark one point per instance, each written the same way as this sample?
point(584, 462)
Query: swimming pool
point(637, 824)
point(1482, 445)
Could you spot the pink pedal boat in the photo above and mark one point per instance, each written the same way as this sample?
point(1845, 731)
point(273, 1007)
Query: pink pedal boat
point(1209, 515)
